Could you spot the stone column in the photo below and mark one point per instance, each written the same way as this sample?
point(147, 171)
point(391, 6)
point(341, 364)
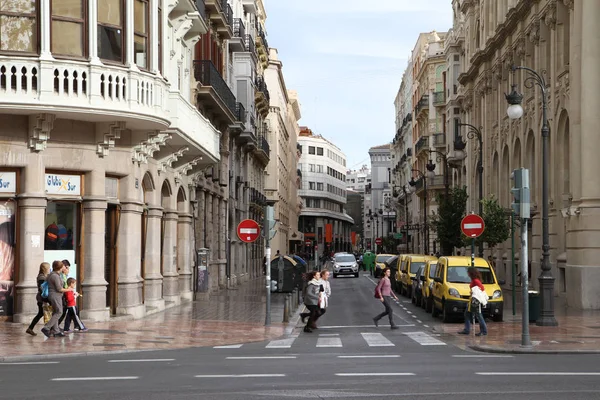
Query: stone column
point(93, 31)
point(208, 232)
point(170, 275)
point(129, 281)
point(129, 36)
point(223, 241)
point(45, 21)
point(94, 214)
point(31, 216)
point(153, 280)
point(184, 262)
point(583, 272)
point(200, 219)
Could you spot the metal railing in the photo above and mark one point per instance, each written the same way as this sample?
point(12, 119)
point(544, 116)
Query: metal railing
point(261, 85)
point(226, 9)
point(422, 143)
point(201, 6)
point(263, 37)
point(240, 112)
point(264, 145)
point(206, 73)
point(239, 30)
point(250, 46)
point(439, 139)
point(422, 104)
point(439, 98)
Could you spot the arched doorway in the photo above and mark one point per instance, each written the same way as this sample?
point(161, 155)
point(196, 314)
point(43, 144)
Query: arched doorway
point(505, 178)
point(165, 203)
point(494, 173)
point(147, 191)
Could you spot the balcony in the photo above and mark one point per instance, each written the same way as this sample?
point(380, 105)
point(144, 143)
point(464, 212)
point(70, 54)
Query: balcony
point(201, 6)
point(439, 139)
point(240, 119)
point(250, 6)
point(261, 96)
point(221, 17)
point(439, 99)
point(212, 91)
point(422, 104)
point(433, 183)
point(249, 45)
point(263, 150)
point(262, 45)
point(238, 41)
point(422, 144)
point(248, 137)
point(85, 92)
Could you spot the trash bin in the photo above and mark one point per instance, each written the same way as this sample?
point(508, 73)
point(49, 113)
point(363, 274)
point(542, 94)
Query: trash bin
point(535, 305)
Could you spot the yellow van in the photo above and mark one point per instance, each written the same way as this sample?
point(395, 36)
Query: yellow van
point(408, 267)
point(380, 259)
point(451, 291)
point(428, 282)
point(401, 260)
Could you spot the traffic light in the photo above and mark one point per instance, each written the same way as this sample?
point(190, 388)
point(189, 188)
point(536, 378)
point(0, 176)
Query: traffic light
point(521, 193)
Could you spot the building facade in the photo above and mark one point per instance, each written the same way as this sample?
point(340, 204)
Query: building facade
point(281, 185)
point(381, 214)
point(323, 218)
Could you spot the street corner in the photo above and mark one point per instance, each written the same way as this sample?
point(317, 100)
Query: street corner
point(537, 347)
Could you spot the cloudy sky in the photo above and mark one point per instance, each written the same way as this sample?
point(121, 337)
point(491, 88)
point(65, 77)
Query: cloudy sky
point(346, 58)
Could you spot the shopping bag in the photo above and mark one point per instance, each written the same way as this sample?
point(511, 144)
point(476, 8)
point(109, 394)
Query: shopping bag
point(48, 310)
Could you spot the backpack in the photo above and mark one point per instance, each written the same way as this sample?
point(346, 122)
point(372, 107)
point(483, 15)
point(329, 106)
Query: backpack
point(44, 287)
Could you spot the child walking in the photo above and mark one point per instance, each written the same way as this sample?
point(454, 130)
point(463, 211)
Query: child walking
point(72, 312)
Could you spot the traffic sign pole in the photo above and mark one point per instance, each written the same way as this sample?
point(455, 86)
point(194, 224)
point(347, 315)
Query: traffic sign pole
point(472, 226)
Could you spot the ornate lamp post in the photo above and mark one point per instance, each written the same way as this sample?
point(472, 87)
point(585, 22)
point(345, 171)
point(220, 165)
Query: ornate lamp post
point(473, 133)
point(413, 183)
point(515, 111)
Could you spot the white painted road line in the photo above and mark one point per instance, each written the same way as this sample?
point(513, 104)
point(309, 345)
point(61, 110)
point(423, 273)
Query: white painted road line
point(329, 334)
point(329, 342)
point(419, 321)
point(377, 374)
point(231, 346)
point(281, 343)
point(359, 326)
point(538, 373)
point(376, 340)
point(32, 363)
point(373, 356)
point(482, 356)
point(143, 360)
point(424, 339)
point(262, 358)
point(97, 378)
point(242, 376)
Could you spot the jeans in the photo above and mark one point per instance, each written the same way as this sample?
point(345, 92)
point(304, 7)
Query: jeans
point(388, 310)
point(472, 311)
point(313, 316)
point(38, 316)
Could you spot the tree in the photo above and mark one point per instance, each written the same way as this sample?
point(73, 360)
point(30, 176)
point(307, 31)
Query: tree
point(389, 244)
point(446, 222)
point(497, 223)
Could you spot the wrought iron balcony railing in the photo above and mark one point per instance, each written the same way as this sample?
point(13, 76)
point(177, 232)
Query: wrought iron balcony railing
point(250, 46)
point(439, 139)
point(264, 145)
point(240, 112)
point(239, 30)
point(201, 6)
point(263, 37)
point(439, 98)
point(261, 85)
point(422, 104)
point(206, 73)
point(226, 9)
point(422, 143)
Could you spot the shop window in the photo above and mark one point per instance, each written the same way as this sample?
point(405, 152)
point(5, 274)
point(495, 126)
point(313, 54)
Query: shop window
point(61, 222)
point(68, 27)
point(110, 30)
point(19, 26)
point(7, 257)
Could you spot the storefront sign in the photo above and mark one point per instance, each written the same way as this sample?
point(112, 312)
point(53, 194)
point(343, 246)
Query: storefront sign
point(8, 182)
point(65, 185)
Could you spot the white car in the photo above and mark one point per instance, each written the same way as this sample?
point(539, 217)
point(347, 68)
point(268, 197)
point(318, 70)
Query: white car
point(345, 264)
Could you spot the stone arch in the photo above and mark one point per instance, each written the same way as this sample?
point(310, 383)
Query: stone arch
point(516, 158)
point(147, 186)
point(181, 200)
point(505, 177)
point(563, 159)
point(494, 174)
point(166, 192)
point(530, 163)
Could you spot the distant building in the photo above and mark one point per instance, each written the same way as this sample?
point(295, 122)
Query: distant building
point(358, 179)
point(381, 210)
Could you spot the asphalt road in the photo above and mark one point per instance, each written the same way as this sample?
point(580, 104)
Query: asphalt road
point(346, 358)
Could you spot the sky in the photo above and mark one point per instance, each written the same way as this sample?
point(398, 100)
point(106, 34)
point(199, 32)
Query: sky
point(346, 58)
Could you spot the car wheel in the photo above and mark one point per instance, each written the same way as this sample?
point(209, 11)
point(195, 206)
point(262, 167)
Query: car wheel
point(356, 275)
point(409, 292)
point(498, 317)
point(434, 311)
point(413, 299)
point(445, 313)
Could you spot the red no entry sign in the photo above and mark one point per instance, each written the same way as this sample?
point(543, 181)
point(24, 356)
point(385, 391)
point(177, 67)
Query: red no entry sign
point(378, 241)
point(308, 242)
point(248, 230)
point(472, 225)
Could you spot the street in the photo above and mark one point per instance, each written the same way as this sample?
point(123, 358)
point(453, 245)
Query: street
point(347, 357)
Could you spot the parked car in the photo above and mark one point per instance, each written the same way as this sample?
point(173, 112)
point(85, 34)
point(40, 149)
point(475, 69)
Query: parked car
point(428, 282)
point(398, 281)
point(409, 266)
point(392, 264)
point(417, 286)
point(451, 291)
point(380, 259)
point(345, 264)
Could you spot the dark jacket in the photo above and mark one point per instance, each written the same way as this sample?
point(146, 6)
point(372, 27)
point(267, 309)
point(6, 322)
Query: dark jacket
point(41, 278)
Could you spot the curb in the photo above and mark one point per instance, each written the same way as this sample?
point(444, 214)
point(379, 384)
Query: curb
point(506, 350)
point(38, 357)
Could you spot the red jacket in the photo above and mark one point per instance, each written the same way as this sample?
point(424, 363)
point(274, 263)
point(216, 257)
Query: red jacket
point(70, 297)
point(476, 282)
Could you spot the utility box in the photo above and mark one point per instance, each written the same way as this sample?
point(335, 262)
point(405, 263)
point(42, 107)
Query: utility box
point(535, 305)
point(202, 257)
point(286, 274)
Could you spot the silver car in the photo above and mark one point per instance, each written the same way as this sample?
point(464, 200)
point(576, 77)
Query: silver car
point(345, 264)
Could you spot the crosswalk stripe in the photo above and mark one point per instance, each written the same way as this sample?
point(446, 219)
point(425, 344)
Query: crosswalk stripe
point(424, 339)
point(281, 343)
point(231, 346)
point(376, 340)
point(329, 342)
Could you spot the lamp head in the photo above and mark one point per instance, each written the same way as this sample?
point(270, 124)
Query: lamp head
point(514, 99)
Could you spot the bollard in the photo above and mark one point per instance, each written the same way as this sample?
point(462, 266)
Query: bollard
point(286, 310)
point(294, 299)
point(288, 297)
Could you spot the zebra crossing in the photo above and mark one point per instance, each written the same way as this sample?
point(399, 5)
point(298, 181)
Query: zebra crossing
point(334, 340)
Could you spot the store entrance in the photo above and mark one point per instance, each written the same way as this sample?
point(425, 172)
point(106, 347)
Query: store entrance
point(110, 256)
point(61, 237)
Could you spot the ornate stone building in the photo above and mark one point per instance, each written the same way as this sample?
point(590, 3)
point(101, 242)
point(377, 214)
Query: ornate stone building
point(559, 39)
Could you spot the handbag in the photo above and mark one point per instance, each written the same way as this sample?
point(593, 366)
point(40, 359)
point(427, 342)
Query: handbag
point(48, 310)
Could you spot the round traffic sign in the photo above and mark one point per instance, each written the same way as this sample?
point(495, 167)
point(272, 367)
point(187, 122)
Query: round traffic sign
point(378, 241)
point(308, 242)
point(248, 230)
point(472, 225)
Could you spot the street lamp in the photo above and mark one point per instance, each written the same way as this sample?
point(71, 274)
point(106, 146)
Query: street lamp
point(441, 157)
point(413, 183)
point(514, 111)
point(473, 133)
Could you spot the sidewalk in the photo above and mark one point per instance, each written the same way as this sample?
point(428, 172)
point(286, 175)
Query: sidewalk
point(228, 317)
point(578, 331)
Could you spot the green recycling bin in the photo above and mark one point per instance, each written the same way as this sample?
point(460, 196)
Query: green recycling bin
point(535, 305)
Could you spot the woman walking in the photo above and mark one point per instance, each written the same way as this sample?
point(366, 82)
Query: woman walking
point(478, 298)
point(384, 292)
point(41, 278)
point(311, 300)
point(55, 298)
